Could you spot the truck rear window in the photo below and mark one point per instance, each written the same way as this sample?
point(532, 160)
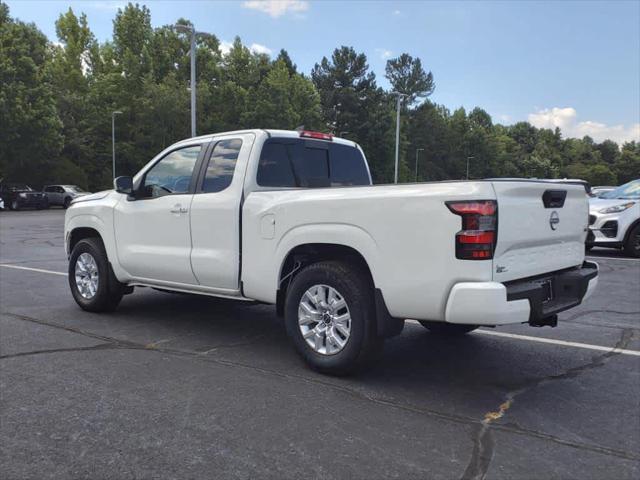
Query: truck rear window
point(310, 164)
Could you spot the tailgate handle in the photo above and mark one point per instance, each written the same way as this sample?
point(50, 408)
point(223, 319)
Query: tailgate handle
point(554, 198)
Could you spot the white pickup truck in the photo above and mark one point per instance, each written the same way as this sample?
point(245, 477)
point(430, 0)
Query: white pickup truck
point(291, 218)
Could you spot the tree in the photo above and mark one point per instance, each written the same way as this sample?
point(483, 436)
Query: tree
point(599, 174)
point(283, 100)
point(30, 136)
point(354, 106)
point(407, 76)
point(71, 71)
point(132, 35)
point(283, 56)
point(627, 166)
point(609, 151)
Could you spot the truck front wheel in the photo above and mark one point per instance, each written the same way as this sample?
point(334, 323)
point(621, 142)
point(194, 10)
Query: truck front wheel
point(330, 317)
point(93, 285)
point(450, 329)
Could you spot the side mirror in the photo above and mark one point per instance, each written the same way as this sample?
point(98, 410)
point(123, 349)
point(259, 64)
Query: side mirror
point(123, 185)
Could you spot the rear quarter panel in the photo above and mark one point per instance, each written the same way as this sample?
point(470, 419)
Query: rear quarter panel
point(404, 232)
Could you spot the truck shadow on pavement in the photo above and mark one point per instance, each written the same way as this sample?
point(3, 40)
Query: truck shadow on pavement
point(252, 334)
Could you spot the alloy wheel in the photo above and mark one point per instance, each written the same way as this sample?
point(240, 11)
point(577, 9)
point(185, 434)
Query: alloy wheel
point(324, 319)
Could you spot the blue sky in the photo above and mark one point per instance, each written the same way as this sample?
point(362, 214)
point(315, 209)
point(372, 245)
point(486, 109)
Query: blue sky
point(571, 64)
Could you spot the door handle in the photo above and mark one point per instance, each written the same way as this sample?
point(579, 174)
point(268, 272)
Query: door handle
point(178, 209)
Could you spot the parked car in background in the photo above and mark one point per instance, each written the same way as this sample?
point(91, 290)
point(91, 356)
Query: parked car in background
point(598, 191)
point(63, 195)
point(614, 219)
point(1, 204)
point(19, 195)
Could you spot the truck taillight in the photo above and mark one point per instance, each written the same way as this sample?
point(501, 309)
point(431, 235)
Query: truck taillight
point(477, 239)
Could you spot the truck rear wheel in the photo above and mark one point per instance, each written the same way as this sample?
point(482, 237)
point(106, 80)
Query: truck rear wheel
point(330, 317)
point(449, 329)
point(93, 285)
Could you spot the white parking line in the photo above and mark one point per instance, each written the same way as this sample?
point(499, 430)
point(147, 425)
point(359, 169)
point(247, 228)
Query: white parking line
point(614, 258)
point(40, 270)
point(513, 336)
point(552, 341)
point(564, 343)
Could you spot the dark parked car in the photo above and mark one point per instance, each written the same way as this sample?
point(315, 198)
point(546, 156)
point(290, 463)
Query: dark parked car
point(63, 194)
point(20, 195)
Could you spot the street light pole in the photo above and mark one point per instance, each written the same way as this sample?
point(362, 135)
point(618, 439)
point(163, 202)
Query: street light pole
point(113, 142)
point(193, 82)
point(192, 53)
point(400, 95)
point(418, 150)
point(468, 158)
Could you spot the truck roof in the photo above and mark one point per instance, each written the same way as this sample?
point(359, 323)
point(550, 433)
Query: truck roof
point(270, 132)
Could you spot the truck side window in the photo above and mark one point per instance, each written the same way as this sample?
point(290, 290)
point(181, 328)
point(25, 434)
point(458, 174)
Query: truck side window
point(221, 166)
point(173, 173)
point(274, 168)
point(311, 165)
point(347, 166)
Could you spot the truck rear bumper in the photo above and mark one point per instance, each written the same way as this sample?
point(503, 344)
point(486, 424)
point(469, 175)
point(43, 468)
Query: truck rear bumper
point(520, 301)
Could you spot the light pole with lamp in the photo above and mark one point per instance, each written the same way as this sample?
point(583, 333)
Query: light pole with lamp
point(400, 96)
point(418, 150)
point(192, 53)
point(113, 142)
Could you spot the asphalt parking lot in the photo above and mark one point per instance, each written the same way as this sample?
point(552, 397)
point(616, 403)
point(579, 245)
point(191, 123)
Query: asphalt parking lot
point(176, 386)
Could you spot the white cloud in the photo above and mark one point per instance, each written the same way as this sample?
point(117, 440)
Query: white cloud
point(553, 117)
point(108, 5)
point(384, 53)
point(397, 12)
point(257, 48)
point(277, 8)
point(225, 47)
point(566, 120)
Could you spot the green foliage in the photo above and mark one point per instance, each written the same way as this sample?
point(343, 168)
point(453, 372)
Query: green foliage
point(56, 102)
point(30, 128)
point(627, 166)
point(599, 174)
point(407, 76)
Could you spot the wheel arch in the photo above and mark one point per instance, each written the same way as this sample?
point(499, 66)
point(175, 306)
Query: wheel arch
point(309, 253)
point(85, 225)
point(630, 228)
point(80, 233)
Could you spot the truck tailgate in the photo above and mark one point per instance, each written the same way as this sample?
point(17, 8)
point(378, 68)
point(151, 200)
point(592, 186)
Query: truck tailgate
point(537, 231)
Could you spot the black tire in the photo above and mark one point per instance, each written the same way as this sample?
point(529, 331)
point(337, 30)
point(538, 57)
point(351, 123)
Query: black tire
point(67, 202)
point(363, 343)
point(447, 329)
point(632, 245)
point(109, 291)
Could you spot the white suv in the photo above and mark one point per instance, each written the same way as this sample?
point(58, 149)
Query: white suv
point(614, 219)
